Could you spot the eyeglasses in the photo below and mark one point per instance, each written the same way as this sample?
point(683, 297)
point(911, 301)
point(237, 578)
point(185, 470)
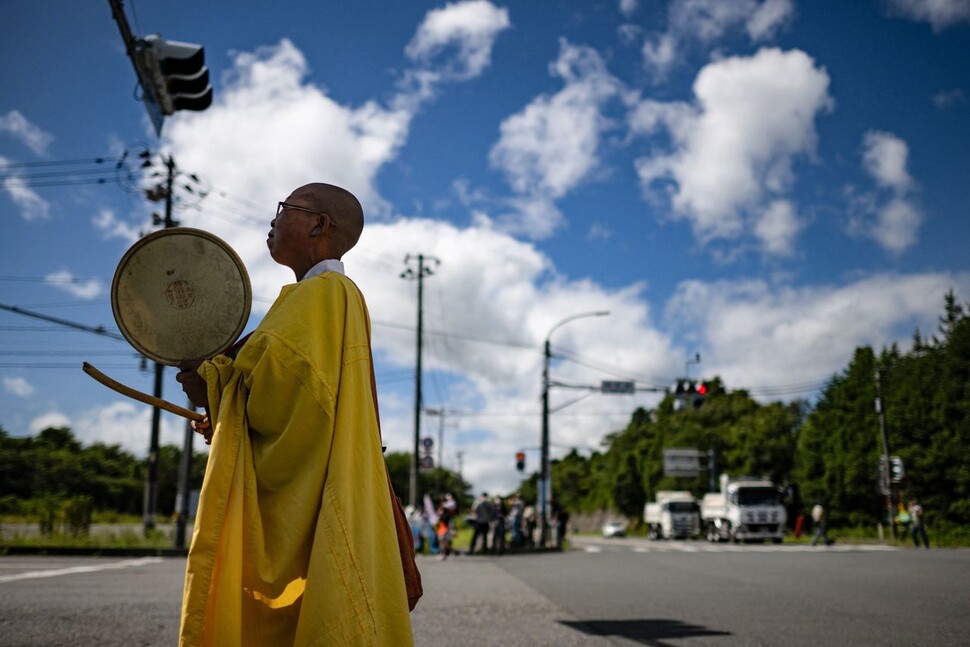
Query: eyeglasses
point(282, 206)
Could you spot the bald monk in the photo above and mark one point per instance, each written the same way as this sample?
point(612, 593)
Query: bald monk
point(294, 541)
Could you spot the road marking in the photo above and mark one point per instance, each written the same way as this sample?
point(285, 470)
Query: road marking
point(128, 563)
point(705, 547)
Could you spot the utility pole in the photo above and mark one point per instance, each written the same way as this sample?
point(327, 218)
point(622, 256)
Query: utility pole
point(151, 478)
point(418, 274)
point(881, 413)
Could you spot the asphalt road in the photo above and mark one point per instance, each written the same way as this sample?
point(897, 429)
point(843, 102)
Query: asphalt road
point(615, 592)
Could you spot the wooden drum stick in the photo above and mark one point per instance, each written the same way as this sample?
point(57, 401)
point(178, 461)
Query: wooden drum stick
point(141, 397)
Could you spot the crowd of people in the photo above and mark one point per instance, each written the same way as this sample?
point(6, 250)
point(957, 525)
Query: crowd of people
point(499, 525)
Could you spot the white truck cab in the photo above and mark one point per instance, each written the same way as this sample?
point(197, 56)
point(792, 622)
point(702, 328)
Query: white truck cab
point(674, 515)
point(746, 509)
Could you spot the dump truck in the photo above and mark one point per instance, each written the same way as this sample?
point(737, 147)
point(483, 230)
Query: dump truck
point(746, 509)
point(674, 515)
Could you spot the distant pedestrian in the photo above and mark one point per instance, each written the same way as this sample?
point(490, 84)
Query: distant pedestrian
point(560, 519)
point(484, 511)
point(529, 519)
point(917, 525)
point(499, 526)
point(515, 521)
point(819, 521)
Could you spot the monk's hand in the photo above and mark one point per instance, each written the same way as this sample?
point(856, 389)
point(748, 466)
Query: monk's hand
point(192, 383)
point(203, 427)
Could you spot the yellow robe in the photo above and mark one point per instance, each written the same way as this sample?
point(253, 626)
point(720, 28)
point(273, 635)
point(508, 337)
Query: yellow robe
point(294, 541)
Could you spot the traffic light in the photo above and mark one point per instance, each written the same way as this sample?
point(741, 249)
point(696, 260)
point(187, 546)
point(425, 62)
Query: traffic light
point(177, 73)
point(520, 461)
point(700, 394)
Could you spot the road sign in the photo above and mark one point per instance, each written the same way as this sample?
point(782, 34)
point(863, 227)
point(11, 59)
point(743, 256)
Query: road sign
point(427, 463)
point(427, 443)
point(614, 386)
point(681, 461)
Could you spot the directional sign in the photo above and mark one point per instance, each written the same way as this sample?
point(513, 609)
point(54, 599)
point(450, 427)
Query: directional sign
point(427, 443)
point(427, 463)
point(613, 386)
point(680, 461)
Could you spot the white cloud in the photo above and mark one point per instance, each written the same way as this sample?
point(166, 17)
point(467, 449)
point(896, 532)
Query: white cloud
point(939, 13)
point(113, 227)
point(897, 225)
point(765, 338)
point(777, 226)
point(629, 7)
point(64, 280)
point(884, 157)
point(733, 148)
point(553, 143)
point(471, 27)
point(27, 133)
point(706, 21)
point(32, 206)
point(127, 424)
point(768, 18)
point(892, 218)
point(949, 98)
point(51, 419)
point(19, 387)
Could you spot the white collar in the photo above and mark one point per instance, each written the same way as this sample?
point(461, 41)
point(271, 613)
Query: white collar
point(328, 265)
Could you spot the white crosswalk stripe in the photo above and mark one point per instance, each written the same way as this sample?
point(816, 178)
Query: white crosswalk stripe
point(596, 546)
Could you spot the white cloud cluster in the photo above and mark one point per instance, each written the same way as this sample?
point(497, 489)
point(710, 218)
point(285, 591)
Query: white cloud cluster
point(890, 216)
point(32, 206)
point(64, 280)
point(30, 135)
point(19, 387)
point(765, 337)
point(732, 150)
point(552, 145)
point(289, 132)
point(706, 21)
point(939, 13)
point(471, 27)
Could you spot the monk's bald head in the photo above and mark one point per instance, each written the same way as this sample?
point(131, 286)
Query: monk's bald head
point(344, 210)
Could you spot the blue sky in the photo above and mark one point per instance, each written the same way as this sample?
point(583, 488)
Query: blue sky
point(769, 183)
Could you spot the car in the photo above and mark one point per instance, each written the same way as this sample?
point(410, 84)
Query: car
point(615, 528)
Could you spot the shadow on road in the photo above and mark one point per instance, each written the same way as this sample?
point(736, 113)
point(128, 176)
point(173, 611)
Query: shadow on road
point(647, 632)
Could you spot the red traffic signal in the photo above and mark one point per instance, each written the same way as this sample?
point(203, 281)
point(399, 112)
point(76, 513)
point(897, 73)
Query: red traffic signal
point(702, 389)
point(520, 461)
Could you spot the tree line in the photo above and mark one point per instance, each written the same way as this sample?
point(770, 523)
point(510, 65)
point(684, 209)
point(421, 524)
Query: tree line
point(828, 452)
point(38, 472)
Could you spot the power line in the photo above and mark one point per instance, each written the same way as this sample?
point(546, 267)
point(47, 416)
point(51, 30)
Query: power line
point(86, 160)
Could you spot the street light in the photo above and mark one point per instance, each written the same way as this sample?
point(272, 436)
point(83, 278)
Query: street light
point(544, 475)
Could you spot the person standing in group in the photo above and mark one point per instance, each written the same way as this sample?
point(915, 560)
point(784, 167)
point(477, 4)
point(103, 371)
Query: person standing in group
point(447, 512)
point(917, 524)
point(499, 526)
point(484, 511)
point(820, 523)
point(295, 540)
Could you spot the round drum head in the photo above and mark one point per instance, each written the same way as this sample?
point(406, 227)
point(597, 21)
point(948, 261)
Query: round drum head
point(181, 294)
